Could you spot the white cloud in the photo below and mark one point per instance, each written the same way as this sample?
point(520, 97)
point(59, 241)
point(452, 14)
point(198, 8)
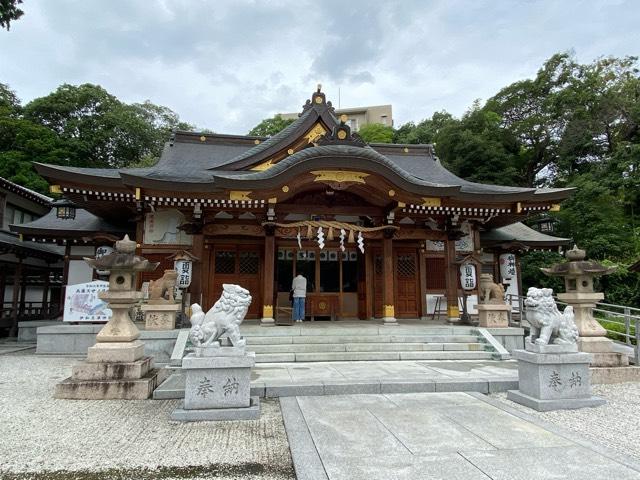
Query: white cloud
point(227, 64)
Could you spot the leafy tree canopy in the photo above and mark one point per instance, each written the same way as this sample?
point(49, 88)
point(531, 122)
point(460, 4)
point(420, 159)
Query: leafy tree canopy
point(376, 133)
point(270, 126)
point(9, 12)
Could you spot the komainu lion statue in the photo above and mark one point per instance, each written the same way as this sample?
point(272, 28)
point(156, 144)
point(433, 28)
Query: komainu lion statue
point(490, 291)
point(163, 286)
point(224, 317)
point(548, 325)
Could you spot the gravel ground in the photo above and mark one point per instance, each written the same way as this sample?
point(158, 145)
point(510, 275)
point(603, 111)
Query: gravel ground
point(615, 425)
point(45, 438)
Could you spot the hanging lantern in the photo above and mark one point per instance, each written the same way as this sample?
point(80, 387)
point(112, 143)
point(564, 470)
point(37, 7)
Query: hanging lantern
point(183, 264)
point(468, 276)
point(507, 266)
point(65, 209)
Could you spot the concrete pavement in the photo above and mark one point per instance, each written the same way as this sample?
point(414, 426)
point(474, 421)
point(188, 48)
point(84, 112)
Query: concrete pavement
point(436, 436)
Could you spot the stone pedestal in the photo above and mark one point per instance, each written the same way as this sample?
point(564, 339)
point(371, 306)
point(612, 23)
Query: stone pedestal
point(218, 386)
point(112, 371)
point(160, 316)
point(493, 315)
point(553, 377)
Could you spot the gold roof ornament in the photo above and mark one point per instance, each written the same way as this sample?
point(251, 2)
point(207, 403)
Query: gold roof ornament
point(339, 176)
point(239, 195)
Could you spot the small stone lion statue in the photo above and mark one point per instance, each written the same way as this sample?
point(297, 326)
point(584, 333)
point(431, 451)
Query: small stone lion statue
point(548, 325)
point(491, 292)
point(164, 286)
point(224, 317)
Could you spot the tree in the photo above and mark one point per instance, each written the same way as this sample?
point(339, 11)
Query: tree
point(9, 11)
point(534, 111)
point(376, 133)
point(270, 126)
point(101, 131)
point(9, 102)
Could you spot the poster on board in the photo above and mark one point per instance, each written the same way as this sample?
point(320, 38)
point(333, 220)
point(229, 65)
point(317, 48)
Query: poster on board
point(81, 303)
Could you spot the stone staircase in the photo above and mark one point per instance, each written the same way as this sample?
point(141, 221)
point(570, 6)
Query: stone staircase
point(329, 343)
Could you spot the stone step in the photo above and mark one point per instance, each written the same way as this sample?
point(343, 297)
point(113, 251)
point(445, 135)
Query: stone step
point(362, 329)
point(282, 340)
point(371, 356)
point(364, 347)
point(173, 387)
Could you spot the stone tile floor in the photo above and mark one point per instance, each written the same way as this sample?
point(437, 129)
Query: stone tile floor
point(436, 436)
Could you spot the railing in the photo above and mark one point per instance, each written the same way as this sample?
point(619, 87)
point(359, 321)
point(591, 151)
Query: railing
point(29, 311)
point(622, 323)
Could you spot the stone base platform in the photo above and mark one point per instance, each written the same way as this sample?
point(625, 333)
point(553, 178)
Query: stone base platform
point(123, 389)
point(558, 404)
point(252, 412)
point(609, 359)
point(114, 371)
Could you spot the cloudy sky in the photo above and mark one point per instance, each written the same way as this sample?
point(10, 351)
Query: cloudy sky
point(225, 65)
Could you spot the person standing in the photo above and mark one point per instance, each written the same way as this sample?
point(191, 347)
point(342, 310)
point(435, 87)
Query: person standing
point(299, 288)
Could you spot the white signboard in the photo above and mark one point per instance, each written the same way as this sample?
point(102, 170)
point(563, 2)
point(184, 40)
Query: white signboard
point(81, 303)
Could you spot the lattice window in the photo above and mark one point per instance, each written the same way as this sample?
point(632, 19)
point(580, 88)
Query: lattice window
point(225, 262)
point(378, 264)
point(249, 263)
point(436, 273)
point(406, 266)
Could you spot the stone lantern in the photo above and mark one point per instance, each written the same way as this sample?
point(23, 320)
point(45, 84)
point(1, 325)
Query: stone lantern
point(578, 275)
point(116, 367)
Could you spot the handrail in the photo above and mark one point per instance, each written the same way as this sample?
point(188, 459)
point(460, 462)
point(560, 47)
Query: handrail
point(628, 332)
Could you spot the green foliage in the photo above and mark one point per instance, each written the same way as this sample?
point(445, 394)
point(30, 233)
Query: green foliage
point(622, 287)
point(79, 126)
point(270, 126)
point(376, 133)
point(9, 11)
point(532, 276)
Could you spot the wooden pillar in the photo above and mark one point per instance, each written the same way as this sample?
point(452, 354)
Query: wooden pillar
point(453, 311)
point(45, 294)
point(369, 280)
point(23, 291)
point(422, 260)
point(388, 308)
point(197, 281)
point(17, 280)
point(268, 280)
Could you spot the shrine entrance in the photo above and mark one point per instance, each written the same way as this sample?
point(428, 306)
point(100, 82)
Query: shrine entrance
point(240, 265)
point(332, 281)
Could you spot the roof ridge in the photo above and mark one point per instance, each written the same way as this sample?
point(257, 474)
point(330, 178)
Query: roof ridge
point(42, 197)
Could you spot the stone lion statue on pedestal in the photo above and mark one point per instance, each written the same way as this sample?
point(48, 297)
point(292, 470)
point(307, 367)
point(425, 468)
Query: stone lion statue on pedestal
point(224, 317)
point(490, 292)
point(164, 286)
point(548, 325)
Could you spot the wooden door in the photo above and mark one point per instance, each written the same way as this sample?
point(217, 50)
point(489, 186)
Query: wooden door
point(240, 265)
point(378, 283)
point(407, 294)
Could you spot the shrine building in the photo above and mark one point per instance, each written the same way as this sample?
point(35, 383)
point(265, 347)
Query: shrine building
point(379, 230)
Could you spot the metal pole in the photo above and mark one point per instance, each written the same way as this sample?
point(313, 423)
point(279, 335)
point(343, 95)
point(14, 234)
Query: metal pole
point(627, 325)
point(636, 351)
